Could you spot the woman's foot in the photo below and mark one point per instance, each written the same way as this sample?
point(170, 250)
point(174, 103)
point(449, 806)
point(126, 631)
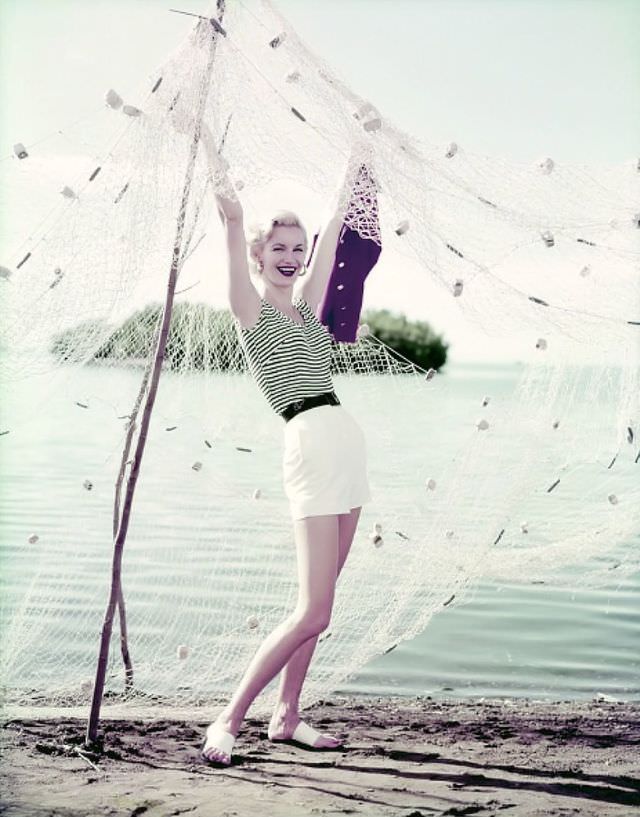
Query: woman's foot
point(286, 725)
point(219, 739)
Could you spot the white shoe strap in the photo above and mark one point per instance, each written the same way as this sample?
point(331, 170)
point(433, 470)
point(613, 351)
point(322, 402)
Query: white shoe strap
point(220, 739)
point(305, 733)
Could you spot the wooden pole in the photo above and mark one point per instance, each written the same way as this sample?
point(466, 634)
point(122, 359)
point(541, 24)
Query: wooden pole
point(124, 460)
point(101, 669)
point(122, 612)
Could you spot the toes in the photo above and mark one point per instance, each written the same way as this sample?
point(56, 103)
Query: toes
point(222, 757)
point(216, 755)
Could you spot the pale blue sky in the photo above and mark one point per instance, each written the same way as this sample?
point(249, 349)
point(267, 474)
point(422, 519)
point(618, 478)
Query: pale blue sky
point(519, 79)
point(516, 78)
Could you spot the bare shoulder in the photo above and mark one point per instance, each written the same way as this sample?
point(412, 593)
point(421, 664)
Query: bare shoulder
point(247, 307)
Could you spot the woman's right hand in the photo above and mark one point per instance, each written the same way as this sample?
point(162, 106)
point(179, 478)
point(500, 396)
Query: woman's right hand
point(228, 208)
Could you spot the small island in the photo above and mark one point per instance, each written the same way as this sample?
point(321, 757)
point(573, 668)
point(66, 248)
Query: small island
point(203, 338)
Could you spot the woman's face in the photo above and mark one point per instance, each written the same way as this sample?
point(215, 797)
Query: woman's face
point(283, 255)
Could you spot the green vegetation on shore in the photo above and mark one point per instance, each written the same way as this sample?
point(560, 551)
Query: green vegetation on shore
point(204, 338)
point(414, 340)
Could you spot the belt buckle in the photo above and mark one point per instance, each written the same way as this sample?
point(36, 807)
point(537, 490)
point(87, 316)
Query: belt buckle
point(297, 405)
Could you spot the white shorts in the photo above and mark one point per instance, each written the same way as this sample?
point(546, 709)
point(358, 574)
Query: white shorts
point(324, 463)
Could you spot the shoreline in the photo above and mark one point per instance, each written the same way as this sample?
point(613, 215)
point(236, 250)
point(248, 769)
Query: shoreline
point(402, 757)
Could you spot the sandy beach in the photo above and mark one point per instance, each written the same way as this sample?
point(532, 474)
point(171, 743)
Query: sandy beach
point(404, 757)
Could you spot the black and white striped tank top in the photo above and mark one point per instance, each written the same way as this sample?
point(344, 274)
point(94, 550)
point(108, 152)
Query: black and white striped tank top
point(289, 361)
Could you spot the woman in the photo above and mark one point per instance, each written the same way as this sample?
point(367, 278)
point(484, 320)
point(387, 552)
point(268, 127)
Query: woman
point(324, 465)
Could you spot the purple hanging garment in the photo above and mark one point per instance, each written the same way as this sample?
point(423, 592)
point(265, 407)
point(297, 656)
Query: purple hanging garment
point(355, 258)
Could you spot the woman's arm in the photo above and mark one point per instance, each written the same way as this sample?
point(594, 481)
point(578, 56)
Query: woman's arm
point(324, 255)
point(322, 262)
point(244, 299)
point(344, 259)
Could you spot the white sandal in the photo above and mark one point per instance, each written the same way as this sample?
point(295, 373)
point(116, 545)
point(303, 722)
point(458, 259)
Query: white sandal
point(305, 736)
point(221, 739)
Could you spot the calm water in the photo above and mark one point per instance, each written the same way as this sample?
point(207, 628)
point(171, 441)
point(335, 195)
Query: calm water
point(511, 639)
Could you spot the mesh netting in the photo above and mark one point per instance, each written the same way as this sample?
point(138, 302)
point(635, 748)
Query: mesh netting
point(540, 474)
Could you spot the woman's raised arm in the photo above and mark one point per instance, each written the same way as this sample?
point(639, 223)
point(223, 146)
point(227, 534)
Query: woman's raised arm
point(324, 256)
point(244, 299)
point(315, 284)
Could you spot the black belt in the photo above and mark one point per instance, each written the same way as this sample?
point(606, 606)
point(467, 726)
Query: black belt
point(329, 398)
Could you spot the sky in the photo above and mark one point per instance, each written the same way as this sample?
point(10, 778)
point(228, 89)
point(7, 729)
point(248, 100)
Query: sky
point(519, 79)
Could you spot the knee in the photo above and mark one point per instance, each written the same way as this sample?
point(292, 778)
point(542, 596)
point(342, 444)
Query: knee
point(312, 622)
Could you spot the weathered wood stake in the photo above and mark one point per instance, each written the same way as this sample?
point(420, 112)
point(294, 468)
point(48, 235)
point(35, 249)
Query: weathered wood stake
point(116, 591)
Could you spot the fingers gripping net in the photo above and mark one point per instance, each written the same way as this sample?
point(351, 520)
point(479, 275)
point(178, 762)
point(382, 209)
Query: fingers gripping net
point(538, 475)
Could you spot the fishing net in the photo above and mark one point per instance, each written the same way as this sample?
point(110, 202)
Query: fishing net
point(521, 474)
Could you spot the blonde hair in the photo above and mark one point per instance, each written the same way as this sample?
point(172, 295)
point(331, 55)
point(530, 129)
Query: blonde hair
point(260, 234)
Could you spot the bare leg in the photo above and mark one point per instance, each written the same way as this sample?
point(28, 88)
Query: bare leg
point(286, 713)
point(295, 670)
point(317, 552)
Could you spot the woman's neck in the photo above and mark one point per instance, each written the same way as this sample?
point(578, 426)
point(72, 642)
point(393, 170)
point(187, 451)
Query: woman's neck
point(280, 298)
